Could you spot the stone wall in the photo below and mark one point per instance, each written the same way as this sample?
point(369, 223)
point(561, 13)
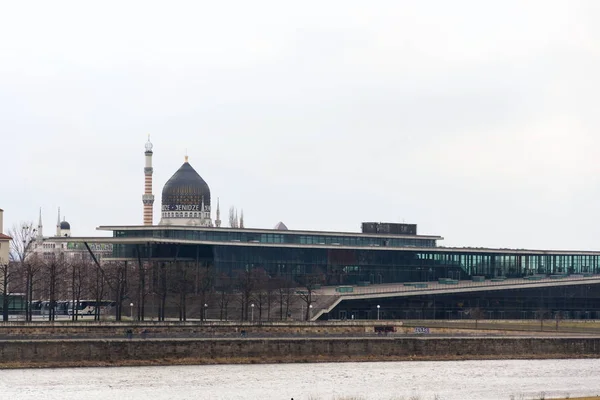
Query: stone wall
point(87, 352)
point(16, 330)
point(112, 330)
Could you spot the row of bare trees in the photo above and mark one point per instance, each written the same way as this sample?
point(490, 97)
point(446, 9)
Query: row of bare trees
point(158, 290)
point(56, 276)
point(199, 292)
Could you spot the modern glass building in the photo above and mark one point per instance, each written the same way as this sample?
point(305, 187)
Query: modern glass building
point(382, 253)
point(339, 258)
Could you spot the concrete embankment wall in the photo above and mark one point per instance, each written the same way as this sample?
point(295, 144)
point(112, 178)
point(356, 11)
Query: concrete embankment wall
point(90, 352)
point(16, 330)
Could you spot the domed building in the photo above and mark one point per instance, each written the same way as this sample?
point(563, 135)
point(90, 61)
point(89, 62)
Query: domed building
point(186, 199)
point(64, 229)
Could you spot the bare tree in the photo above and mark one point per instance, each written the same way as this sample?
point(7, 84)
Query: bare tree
point(310, 283)
point(142, 290)
point(184, 289)
point(7, 273)
point(271, 296)
point(224, 289)
point(205, 282)
point(162, 290)
point(21, 246)
point(33, 266)
point(141, 287)
point(78, 270)
point(476, 313)
point(98, 289)
point(53, 273)
point(558, 316)
point(285, 295)
point(116, 275)
point(181, 285)
point(260, 292)
point(542, 313)
point(245, 284)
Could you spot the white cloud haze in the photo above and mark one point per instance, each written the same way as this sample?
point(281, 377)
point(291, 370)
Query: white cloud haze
point(476, 120)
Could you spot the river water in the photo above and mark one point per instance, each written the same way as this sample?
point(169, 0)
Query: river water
point(427, 380)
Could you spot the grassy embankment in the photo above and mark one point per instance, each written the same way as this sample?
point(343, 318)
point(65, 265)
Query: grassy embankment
point(548, 325)
point(166, 361)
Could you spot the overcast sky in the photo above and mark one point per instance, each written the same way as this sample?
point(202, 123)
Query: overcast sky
point(479, 121)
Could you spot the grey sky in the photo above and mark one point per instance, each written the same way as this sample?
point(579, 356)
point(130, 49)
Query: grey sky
point(477, 120)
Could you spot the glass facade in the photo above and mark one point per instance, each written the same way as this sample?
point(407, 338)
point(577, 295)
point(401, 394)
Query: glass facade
point(556, 303)
point(514, 264)
point(350, 266)
point(357, 259)
point(281, 237)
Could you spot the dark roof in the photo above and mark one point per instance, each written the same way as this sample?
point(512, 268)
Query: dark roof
point(3, 236)
point(259, 230)
point(186, 186)
point(65, 225)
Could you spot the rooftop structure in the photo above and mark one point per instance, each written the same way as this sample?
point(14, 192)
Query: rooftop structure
point(148, 197)
point(186, 199)
point(50, 247)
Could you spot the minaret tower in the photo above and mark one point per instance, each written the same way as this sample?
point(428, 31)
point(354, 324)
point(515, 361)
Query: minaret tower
point(218, 220)
point(148, 197)
point(58, 223)
point(40, 228)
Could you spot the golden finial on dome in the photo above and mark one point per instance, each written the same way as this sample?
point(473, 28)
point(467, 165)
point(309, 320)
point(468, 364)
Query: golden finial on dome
point(186, 156)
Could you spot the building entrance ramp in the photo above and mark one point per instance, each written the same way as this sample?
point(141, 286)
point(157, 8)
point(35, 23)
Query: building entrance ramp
point(436, 287)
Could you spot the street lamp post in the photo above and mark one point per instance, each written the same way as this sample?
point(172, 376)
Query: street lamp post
point(27, 299)
point(27, 239)
point(205, 310)
point(378, 307)
point(310, 311)
point(131, 311)
point(252, 312)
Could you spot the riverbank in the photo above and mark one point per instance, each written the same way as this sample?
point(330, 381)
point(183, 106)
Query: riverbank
point(140, 352)
point(174, 329)
point(579, 398)
point(235, 329)
point(266, 360)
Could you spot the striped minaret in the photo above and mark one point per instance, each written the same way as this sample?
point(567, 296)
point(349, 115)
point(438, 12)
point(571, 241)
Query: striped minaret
point(148, 197)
